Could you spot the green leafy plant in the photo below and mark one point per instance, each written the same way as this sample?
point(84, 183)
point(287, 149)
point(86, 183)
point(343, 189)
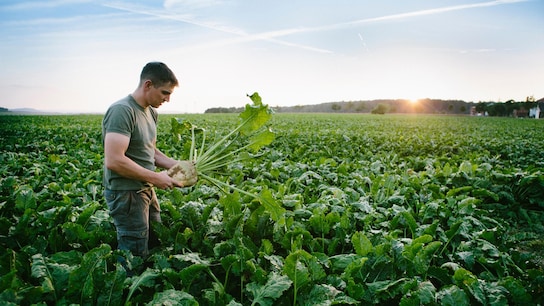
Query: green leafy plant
point(210, 160)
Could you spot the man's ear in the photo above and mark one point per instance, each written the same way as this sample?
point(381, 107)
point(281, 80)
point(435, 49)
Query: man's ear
point(148, 84)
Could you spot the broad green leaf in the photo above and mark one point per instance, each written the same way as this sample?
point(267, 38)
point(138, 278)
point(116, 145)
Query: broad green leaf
point(424, 257)
point(453, 296)
point(261, 139)
point(232, 207)
point(255, 98)
point(146, 279)
point(270, 204)
point(410, 221)
point(82, 280)
point(423, 239)
point(188, 274)
point(266, 294)
point(254, 116)
point(516, 289)
point(319, 223)
point(173, 297)
point(454, 229)
point(325, 294)
point(342, 261)
point(41, 271)
point(25, 198)
point(86, 214)
point(361, 243)
point(390, 288)
point(114, 283)
point(467, 257)
point(467, 280)
point(302, 268)
point(466, 167)
point(74, 232)
point(426, 292)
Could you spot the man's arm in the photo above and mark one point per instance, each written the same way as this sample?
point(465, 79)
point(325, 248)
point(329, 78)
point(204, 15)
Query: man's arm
point(163, 161)
point(115, 146)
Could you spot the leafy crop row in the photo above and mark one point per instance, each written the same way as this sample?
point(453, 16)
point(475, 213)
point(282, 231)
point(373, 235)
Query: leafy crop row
point(388, 210)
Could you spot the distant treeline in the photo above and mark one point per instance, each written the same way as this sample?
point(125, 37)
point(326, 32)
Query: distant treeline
point(422, 106)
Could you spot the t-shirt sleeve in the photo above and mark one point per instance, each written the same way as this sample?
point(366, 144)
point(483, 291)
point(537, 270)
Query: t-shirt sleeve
point(119, 119)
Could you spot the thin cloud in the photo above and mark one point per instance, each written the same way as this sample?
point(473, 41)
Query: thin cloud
point(478, 51)
point(272, 36)
point(391, 17)
point(244, 36)
point(41, 4)
point(191, 3)
point(429, 12)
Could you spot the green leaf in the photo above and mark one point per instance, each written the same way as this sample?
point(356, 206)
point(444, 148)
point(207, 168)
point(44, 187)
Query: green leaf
point(325, 294)
point(82, 279)
point(254, 116)
point(232, 207)
point(270, 204)
point(466, 167)
point(453, 296)
point(340, 262)
point(173, 297)
point(261, 139)
point(389, 288)
point(467, 280)
point(319, 223)
point(426, 293)
point(146, 279)
point(454, 229)
point(25, 198)
point(191, 257)
point(114, 283)
point(302, 268)
point(266, 294)
point(255, 98)
point(424, 256)
point(187, 275)
point(516, 289)
point(41, 271)
point(361, 243)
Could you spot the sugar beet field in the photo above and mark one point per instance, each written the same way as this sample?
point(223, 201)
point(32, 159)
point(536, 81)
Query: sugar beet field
point(361, 210)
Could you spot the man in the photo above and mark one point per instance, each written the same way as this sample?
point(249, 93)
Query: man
point(129, 131)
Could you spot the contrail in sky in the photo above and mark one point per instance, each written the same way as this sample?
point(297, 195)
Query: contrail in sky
point(243, 36)
point(272, 36)
point(390, 17)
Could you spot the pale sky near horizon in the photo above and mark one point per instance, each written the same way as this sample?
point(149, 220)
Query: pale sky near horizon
point(82, 55)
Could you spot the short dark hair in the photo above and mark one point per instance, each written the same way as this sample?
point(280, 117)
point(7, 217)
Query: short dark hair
point(159, 74)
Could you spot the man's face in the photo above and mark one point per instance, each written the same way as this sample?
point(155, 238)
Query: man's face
point(156, 96)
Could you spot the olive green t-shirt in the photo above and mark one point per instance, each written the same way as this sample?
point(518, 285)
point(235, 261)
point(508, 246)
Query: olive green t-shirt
point(128, 118)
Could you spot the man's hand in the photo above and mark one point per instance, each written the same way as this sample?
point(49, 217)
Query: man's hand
point(164, 181)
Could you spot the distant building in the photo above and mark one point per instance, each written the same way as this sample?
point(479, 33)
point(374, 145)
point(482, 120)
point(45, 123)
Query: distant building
point(474, 112)
point(537, 112)
point(521, 113)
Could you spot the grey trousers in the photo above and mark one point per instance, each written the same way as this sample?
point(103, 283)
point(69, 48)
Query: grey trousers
point(132, 213)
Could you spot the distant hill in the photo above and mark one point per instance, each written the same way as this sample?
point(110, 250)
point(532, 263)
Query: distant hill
point(25, 111)
point(427, 106)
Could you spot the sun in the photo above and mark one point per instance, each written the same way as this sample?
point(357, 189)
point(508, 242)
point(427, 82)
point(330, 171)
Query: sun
point(413, 101)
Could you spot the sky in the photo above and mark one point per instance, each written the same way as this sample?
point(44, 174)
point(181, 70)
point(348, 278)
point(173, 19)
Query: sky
point(82, 55)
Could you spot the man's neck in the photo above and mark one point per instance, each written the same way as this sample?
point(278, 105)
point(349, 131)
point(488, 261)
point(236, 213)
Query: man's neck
point(138, 96)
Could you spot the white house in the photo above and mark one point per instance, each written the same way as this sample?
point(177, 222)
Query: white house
point(535, 112)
